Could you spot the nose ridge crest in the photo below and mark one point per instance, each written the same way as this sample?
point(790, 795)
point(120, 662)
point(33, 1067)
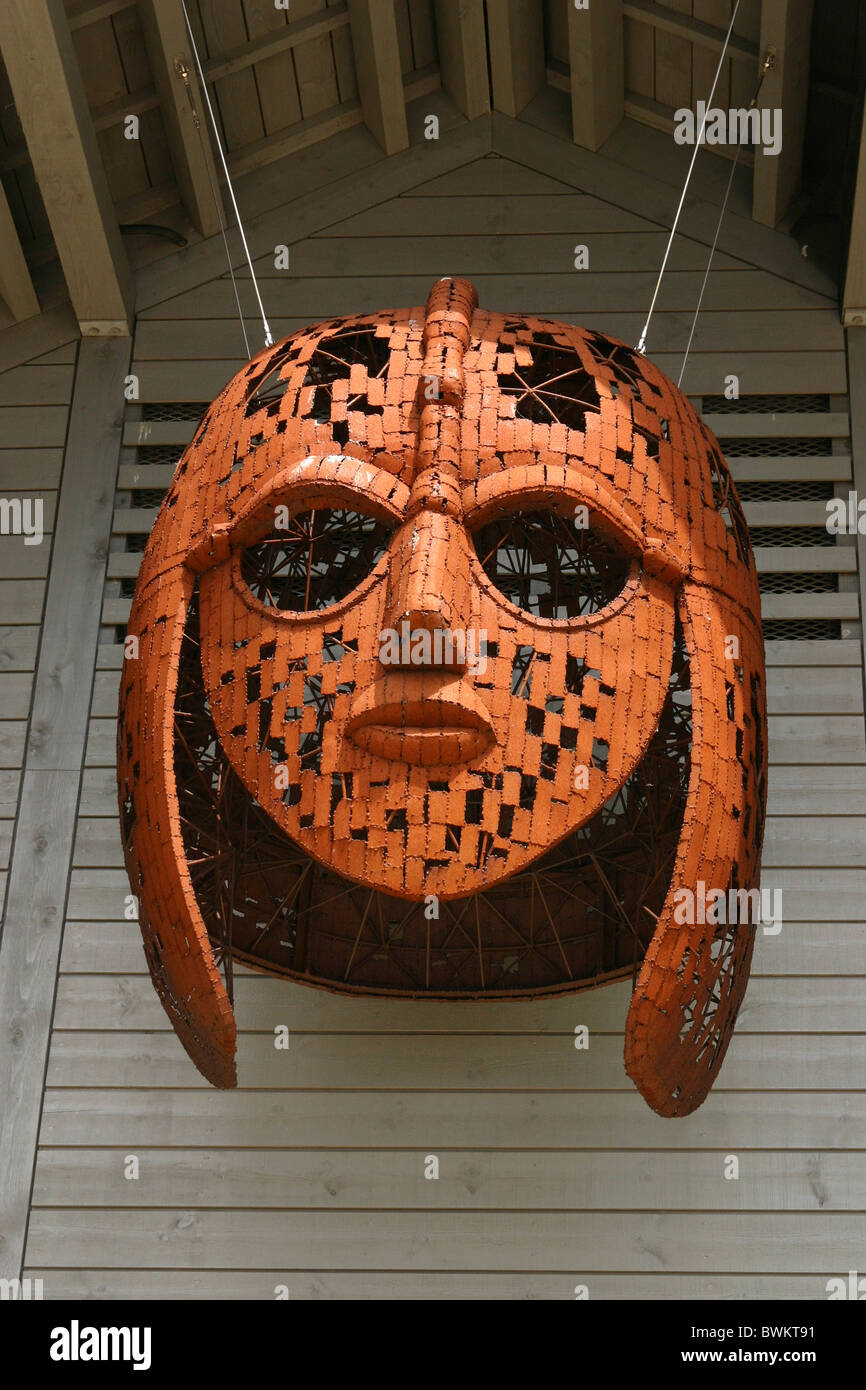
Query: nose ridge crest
point(447, 331)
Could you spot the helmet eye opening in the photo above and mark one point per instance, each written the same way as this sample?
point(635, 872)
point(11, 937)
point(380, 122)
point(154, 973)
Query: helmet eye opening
point(545, 564)
point(316, 560)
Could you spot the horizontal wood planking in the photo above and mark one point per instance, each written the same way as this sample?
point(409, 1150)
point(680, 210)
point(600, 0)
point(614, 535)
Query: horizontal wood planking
point(18, 646)
point(785, 606)
point(15, 691)
point(788, 1005)
point(6, 828)
point(10, 781)
point(49, 508)
point(420, 253)
point(41, 467)
point(31, 386)
point(776, 1242)
point(12, 736)
point(170, 1284)
point(547, 293)
point(23, 427)
point(803, 948)
point(393, 1179)
point(491, 177)
point(21, 601)
point(449, 1061)
point(20, 561)
point(654, 195)
point(746, 1119)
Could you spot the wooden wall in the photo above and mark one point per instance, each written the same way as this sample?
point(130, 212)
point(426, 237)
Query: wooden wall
point(553, 1172)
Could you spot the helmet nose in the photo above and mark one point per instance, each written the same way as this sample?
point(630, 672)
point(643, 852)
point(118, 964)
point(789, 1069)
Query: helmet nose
point(429, 577)
point(429, 590)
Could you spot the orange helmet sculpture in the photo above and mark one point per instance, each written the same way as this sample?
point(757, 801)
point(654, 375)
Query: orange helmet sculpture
point(449, 683)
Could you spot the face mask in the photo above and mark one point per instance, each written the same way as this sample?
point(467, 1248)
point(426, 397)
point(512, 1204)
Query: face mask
point(450, 684)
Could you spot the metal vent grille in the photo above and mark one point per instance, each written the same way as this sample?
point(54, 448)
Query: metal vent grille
point(807, 630)
point(797, 583)
point(174, 410)
point(785, 491)
point(767, 405)
point(765, 446)
point(148, 454)
point(790, 535)
point(143, 497)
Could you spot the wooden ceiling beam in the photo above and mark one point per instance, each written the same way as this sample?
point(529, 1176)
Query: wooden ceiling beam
point(80, 13)
point(515, 30)
point(597, 57)
point(697, 31)
point(276, 41)
point(16, 286)
point(49, 97)
point(373, 26)
point(786, 27)
point(110, 113)
point(184, 112)
point(462, 40)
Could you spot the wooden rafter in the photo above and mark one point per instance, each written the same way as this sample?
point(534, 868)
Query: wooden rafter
point(276, 41)
point(184, 112)
point(697, 31)
point(515, 31)
point(786, 27)
point(16, 287)
point(462, 39)
point(46, 83)
point(80, 13)
point(377, 64)
point(596, 53)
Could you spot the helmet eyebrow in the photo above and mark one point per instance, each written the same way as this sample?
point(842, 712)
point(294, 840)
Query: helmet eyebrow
point(535, 483)
point(314, 479)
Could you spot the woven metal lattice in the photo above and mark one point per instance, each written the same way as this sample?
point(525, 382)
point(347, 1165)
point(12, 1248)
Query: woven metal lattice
point(449, 680)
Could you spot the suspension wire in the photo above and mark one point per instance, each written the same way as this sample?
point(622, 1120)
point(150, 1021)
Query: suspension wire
point(268, 335)
point(641, 344)
point(724, 209)
point(183, 73)
point(767, 64)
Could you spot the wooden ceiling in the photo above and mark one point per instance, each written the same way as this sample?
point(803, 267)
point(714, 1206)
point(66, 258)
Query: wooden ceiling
point(282, 78)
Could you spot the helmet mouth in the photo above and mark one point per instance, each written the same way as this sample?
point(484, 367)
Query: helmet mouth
point(426, 718)
point(581, 915)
